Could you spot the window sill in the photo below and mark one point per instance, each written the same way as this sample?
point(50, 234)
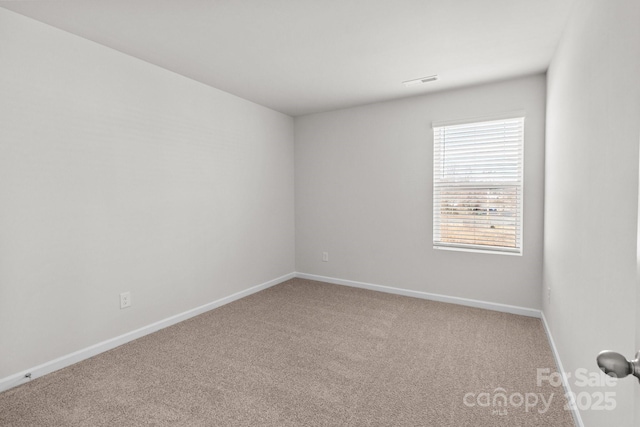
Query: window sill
point(481, 251)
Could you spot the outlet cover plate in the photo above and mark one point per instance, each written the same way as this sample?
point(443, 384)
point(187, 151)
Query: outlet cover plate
point(125, 299)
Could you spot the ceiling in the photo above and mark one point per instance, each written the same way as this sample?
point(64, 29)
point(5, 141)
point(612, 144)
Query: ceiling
point(306, 56)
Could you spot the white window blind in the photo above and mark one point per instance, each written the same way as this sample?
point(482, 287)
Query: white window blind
point(477, 185)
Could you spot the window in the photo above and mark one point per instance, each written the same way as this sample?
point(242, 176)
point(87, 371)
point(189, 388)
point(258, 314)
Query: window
point(477, 185)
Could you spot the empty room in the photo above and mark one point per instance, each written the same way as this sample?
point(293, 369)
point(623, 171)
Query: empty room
point(320, 213)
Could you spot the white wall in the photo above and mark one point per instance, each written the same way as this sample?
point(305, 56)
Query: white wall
point(116, 175)
point(591, 200)
point(364, 180)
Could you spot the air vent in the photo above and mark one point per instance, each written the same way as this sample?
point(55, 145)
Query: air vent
point(421, 80)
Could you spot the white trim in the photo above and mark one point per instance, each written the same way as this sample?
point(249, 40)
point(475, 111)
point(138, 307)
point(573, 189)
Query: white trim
point(469, 248)
point(85, 353)
point(515, 114)
point(565, 381)
point(523, 311)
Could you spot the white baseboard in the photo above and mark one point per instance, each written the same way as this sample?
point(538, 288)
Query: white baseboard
point(77, 356)
point(523, 311)
point(565, 381)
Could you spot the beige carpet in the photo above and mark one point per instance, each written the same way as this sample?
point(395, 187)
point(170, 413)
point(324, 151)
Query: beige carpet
point(306, 353)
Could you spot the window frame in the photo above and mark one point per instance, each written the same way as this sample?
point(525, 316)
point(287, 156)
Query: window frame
point(467, 247)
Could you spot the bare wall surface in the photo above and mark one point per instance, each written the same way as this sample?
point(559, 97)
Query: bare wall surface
point(116, 175)
point(591, 197)
point(363, 180)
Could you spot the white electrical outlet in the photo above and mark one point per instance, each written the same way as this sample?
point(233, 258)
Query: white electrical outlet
point(125, 299)
point(325, 256)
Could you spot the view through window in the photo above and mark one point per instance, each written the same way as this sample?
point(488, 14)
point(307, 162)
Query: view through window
point(477, 189)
